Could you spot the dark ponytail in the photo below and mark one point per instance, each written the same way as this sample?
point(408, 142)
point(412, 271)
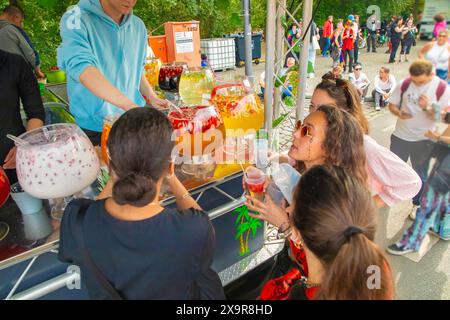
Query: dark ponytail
point(336, 218)
point(140, 146)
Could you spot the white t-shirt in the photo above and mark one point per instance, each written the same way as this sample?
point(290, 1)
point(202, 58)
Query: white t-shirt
point(439, 55)
point(382, 86)
point(414, 129)
point(361, 82)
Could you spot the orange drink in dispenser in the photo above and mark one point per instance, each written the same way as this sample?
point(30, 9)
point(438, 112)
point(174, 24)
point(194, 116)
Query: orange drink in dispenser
point(107, 125)
point(240, 109)
point(152, 67)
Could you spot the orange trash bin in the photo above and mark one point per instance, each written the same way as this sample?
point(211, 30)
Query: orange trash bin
point(159, 47)
point(183, 42)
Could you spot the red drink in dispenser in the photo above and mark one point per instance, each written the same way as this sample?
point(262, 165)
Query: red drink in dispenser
point(191, 127)
point(4, 187)
point(170, 75)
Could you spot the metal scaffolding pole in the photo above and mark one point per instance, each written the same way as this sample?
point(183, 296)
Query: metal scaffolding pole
point(301, 96)
point(270, 64)
point(248, 41)
point(279, 47)
point(281, 100)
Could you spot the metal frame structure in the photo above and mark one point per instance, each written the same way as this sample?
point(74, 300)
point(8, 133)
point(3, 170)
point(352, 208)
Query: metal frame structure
point(271, 247)
point(277, 51)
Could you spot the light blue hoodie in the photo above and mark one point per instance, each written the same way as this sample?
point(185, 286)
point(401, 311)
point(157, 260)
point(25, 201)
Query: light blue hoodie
point(91, 38)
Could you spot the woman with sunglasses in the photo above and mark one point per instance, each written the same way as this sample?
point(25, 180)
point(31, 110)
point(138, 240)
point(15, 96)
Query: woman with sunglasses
point(391, 180)
point(329, 136)
point(319, 140)
point(438, 52)
point(139, 249)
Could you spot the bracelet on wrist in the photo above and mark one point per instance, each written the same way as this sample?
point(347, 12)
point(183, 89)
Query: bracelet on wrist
point(284, 227)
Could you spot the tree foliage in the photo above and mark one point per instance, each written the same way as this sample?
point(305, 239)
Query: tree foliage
point(217, 17)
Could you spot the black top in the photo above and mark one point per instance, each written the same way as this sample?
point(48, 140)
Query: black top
point(409, 36)
point(167, 256)
point(17, 81)
point(396, 36)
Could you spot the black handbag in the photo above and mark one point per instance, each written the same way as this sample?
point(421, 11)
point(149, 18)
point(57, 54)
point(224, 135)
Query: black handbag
point(87, 259)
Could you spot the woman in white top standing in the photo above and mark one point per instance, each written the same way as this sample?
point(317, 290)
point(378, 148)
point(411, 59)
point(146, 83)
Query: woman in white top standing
point(384, 84)
point(438, 52)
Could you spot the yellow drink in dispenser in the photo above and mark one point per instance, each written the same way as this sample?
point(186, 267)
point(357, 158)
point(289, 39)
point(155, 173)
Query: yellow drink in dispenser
point(241, 110)
point(196, 85)
point(152, 67)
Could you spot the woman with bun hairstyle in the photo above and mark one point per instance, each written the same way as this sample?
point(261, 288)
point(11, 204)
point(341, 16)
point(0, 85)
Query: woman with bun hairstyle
point(127, 245)
point(336, 227)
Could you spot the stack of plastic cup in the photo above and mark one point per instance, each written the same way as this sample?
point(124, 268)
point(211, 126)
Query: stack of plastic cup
point(35, 219)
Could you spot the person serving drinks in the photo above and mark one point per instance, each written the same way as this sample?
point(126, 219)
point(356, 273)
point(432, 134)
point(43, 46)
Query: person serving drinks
point(103, 51)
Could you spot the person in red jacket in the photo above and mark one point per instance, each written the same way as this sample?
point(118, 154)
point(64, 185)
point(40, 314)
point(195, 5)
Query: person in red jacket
point(327, 35)
point(348, 38)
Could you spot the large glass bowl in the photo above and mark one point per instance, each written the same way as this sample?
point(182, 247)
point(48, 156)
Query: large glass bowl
point(196, 85)
point(170, 75)
point(57, 161)
point(241, 110)
point(152, 67)
point(198, 130)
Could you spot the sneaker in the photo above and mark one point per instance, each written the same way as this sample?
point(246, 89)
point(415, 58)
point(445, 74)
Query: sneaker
point(377, 108)
point(398, 250)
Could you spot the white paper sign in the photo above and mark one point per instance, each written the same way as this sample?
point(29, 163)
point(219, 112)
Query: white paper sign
point(184, 42)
